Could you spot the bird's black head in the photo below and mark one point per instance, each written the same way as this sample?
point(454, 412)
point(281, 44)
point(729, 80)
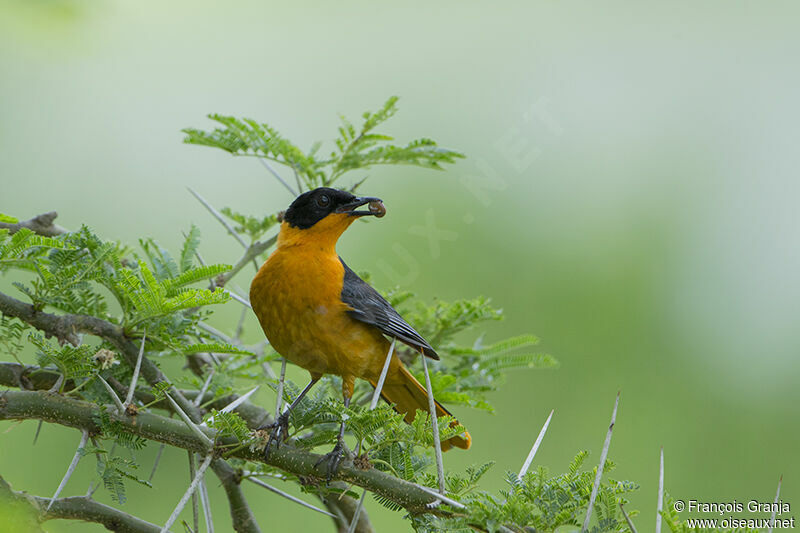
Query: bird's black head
point(312, 206)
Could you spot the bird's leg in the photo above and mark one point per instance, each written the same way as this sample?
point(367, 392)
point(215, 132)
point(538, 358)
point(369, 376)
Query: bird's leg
point(334, 457)
point(280, 428)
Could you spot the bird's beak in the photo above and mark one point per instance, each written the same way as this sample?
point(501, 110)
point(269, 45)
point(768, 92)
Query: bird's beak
point(376, 207)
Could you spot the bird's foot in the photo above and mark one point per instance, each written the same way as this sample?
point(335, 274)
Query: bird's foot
point(333, 459)
point(279, 432)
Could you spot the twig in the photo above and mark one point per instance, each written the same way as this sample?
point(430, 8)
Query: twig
point(775, 506)
point(57, 385)
point(38, 429)
point(72, 465)
point(40, 224)
point(599, 475)
point(357, 513)
point(268, 371)
point(437, 445)
point(155, 463)
point(627, 519)
point(252, 252)
point(192, 486)
point(239, 401)
point(233, 405)
point(206, 505)
point(241, 299)
point(219, 217)
point(660, 504)
point(113, 394)
point(86, 509)
point(70, 412)
point(204, 388)
point(287, 496)
point(135, 378)
point(67, 328)
point(217, 333)
point(277, 176)
point(297, 179)
point(372, 404)
point(379, 386)
point(194, 427)
point(449, 501)
point(195, 505)
point(535, 446)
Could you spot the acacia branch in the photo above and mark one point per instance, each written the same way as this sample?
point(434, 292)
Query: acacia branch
point(33, 377)
point(50, 407)
point(66, 328)
point(88, 510)
point(241, 515)
point(36, 378)
point(41, 224)
point(76, 508)
point(251, 253)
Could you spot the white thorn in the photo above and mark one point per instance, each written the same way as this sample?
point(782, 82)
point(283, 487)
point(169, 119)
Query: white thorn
point(437, 445)
point(449, 501)
point(241, 299)
point(277, 176)
point(357, 513)
point(288, 496)
point(194, 427)
point(199, 399)
point(113, 394)
point(206, 505)
point(535, 446)
point(192, 486)
point(775, 506)
point(136, 368)
point(233, 405)
point(600, 466)
point(238, 401)
point(379, 386)
point(71, 469)
point(627, 519)
point(219, 217)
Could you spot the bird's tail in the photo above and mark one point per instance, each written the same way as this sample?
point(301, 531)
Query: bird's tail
point(407, 394)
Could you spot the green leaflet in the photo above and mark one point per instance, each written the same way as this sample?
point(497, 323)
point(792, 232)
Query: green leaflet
point(356, 148)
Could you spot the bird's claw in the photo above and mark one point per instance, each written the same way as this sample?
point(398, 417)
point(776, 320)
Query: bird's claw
point(333, 459)
point(279, 432)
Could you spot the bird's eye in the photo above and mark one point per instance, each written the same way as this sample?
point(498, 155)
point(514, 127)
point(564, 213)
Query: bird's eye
point(324, 200)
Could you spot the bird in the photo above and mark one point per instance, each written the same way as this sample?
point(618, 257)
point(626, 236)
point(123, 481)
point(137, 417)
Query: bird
point(317, 313)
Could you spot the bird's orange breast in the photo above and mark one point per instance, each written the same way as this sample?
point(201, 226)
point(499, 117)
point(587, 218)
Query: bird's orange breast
point(296, 296)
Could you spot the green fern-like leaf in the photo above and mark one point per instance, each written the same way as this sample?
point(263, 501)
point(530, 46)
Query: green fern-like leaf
point(70, 361)
point(190, 245)
point(229, 425)
point(217, 347)
point(195, 274)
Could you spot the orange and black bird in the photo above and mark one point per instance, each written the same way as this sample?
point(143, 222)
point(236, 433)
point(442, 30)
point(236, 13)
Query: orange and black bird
point(319, 315)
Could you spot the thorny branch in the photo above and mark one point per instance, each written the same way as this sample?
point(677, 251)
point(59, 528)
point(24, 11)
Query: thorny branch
point(41, 224)
point(78, 414)
point(66, 328)
point(75, 508)
point(54, 408)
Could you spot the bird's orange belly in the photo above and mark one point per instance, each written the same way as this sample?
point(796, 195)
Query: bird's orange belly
point(298, 303)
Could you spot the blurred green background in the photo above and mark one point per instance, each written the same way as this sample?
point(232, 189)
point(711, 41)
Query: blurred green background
point(630, 196)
